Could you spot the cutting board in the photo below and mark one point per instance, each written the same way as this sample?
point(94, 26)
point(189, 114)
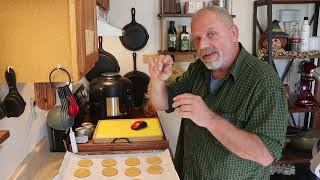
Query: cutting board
point(111, 130)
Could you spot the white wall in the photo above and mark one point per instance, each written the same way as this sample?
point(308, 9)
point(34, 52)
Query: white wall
point(25, 132)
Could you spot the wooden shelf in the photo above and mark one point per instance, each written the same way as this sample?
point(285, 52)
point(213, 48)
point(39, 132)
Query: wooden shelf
point(296, 57)
point(176, 52)
point(265, 2)
point(181, 15)
point(293, 156)
point(296, 109)
point(175, 15)
point(4, 134)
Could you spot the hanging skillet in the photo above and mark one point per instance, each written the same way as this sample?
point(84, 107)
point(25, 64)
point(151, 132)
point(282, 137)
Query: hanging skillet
point(140, 81)
point(14, 103)
point(136, 36)
point(106, 63)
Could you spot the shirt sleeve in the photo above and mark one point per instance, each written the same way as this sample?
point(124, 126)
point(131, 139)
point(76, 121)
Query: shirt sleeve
point(268, 117)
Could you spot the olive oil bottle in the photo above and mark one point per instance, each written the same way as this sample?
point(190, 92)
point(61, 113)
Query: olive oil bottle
point(184, 40)
point(172, 37)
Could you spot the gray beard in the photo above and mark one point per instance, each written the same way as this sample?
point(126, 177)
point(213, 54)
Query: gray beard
point(213, 65)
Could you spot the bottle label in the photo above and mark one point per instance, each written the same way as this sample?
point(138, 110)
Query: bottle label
point(295, 40)
point(172, 40)
point(185, 42)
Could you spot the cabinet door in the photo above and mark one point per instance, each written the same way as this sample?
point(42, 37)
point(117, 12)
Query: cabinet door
point(38, 35)
point(86, 35)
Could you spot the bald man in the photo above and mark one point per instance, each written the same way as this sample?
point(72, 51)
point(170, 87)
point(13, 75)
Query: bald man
point(233, 106)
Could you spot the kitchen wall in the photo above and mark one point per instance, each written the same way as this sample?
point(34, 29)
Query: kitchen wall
point(27, 130)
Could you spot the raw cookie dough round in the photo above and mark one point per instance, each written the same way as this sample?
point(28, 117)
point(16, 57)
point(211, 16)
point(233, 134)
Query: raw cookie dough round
point(132, 161)
point(85, 163)
point(155, 169)
point(132, 171)
point(154, 160)
point(109, 171)
point(108, 162)
point(82, 173)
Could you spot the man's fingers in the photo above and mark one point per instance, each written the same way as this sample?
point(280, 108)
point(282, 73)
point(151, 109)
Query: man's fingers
point(184, 114)
point(183, 96)
point(181, 102)
point(185, 108)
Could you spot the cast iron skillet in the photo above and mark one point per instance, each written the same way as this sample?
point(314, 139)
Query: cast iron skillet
point(106, 63)
point(14, 103)
point(140, 81)
point(2, 110)
point(136, 36)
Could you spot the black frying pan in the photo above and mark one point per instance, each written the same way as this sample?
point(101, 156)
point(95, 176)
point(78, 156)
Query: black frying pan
point(106, 63)
point(136, 36)
point(14, 103)
point(2, 110)
point(140, 81)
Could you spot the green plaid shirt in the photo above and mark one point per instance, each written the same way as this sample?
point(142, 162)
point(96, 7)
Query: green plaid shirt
point(252, 98)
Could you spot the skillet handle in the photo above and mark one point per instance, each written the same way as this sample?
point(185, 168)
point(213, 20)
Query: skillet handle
point(100, 42)
point(11, 79)
point(134, 55)
point(133, 14)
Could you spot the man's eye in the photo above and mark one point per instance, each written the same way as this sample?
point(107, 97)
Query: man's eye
point(210, 34)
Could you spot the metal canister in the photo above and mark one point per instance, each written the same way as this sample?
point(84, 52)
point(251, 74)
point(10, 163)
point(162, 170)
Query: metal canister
point(81, 135)
point(90, 128)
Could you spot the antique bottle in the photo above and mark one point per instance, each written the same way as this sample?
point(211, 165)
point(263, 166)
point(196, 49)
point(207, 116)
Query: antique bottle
point(172, 37)
point(184, 39)
point(295, 38)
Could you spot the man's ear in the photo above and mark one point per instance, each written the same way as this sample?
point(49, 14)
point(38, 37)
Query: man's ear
point(235, 33)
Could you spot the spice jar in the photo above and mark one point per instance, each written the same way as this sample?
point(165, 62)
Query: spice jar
point(81, 135)
point(90, 128)
point(148, 109)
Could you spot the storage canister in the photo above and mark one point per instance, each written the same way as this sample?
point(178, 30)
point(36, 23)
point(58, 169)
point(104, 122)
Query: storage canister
point(90, 128)
point(81, 135)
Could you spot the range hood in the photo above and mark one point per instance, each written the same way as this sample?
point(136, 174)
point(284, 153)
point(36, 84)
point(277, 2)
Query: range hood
point(103, 27)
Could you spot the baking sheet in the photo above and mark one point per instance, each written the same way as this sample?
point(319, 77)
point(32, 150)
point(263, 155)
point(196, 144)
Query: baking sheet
point(69, 165)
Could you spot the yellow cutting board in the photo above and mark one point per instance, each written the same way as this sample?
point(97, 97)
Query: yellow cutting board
point(108, 130)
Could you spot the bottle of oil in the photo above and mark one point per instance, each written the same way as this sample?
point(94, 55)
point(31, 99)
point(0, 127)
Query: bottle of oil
point(172, 37)
point(184, 39)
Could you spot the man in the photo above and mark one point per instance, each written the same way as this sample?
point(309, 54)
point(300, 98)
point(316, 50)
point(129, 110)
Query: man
point(233, 105)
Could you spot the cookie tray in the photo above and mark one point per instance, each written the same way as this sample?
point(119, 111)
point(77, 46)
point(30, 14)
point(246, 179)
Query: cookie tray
point(69, 165)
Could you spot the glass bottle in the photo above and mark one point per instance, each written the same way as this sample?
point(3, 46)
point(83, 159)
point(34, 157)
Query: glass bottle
point(172, 37)
point(148, 109)
point(184, 39)
point(295, 38)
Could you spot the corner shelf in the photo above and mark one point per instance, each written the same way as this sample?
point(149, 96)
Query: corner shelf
point(293, 156)
point(4, 134)
point(287, 55)
point(265, 2)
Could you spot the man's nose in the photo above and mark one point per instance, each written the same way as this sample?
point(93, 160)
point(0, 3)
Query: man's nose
point(203, 44)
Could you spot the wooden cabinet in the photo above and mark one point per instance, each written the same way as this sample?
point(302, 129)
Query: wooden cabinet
point(38, 35)
point(104, 4)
